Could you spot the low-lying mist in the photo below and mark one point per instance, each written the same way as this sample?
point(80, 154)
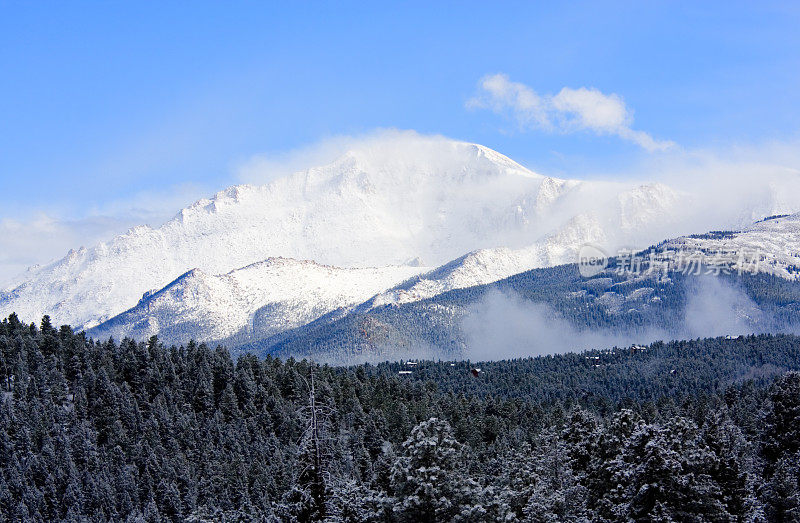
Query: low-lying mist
point(502, 325)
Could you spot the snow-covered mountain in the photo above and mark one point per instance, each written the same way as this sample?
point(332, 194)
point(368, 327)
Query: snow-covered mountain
point(368, 208)
point(409, 200)
point(267, 298)
point(258, 300)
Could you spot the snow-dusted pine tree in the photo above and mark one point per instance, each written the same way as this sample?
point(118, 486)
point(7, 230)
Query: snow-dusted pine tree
point(428, 478)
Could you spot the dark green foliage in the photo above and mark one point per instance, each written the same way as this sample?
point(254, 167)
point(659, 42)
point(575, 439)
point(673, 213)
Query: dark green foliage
point(698, 430)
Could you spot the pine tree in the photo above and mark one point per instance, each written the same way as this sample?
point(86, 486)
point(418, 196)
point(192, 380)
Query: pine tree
point(781, 428)
point(667, 471)
point(728, 464)
point(557, 494)
point(353, 502)
point(308, 499)
point(782, 490)
point(428, 478)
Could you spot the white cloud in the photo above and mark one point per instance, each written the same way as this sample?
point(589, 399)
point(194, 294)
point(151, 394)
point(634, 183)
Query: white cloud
point(42, 237)
point(504, 325)
point(571, 110)
point(500, 95)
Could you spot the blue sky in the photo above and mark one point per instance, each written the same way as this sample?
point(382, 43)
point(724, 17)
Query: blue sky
point(108, 106)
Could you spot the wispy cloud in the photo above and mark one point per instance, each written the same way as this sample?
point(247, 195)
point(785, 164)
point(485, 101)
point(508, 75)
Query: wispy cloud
point(380, 145)
point(39, 236)
point(43, 237)
point(570, 110)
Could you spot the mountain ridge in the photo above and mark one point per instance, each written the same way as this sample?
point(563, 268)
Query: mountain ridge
point(423, 290)
point(411, 200)
point(218, 307)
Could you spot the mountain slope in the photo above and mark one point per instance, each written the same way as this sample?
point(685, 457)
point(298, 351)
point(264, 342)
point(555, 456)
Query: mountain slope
point(545, 311)
point(259, 300)
point(771, 245)
point(173, 319)
point(555, 309)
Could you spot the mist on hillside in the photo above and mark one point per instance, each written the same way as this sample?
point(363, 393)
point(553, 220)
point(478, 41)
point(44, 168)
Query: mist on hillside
point(502, 325)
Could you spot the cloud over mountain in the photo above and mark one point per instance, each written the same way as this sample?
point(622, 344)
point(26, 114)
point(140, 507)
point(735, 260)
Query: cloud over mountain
point(570, 110)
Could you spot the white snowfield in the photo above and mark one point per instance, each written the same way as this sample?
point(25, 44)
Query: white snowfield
point(264, 298)
point(371, 219)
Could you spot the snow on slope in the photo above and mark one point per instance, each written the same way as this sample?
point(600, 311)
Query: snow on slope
point(261, 299)
point(770, 246)
point(632, 217)
point(180, 313)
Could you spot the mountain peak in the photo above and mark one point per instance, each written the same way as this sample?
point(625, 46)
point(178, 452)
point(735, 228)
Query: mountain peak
point(386, 200)
point(418, 158)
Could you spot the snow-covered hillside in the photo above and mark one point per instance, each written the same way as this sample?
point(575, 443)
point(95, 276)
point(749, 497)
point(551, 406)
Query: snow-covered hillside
point(769, 246)
point(266, 298)
point(409, 200)
point(258, 300)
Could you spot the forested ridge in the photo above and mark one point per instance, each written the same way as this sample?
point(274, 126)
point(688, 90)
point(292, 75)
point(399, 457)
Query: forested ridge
point(628, 305)
point(697, 430)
